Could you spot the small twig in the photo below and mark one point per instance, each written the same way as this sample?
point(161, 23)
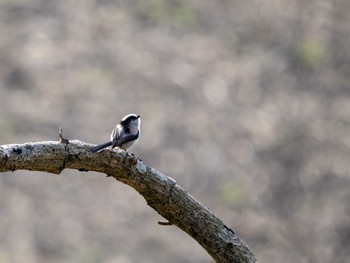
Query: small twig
point(62, 140)
point(165, 223)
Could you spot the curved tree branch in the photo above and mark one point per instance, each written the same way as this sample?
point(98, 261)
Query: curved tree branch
point(161, 192)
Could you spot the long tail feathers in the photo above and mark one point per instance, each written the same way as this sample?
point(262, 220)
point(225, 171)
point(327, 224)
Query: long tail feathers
point(100, 147)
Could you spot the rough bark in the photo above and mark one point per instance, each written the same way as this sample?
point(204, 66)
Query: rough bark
point(161, 192)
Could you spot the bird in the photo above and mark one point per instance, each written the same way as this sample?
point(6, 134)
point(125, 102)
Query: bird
point(124, 135)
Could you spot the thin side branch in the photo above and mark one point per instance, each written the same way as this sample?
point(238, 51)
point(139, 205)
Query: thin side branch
point(62, 140)
point(161, 192)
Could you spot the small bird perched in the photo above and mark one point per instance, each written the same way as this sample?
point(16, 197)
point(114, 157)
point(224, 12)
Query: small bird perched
point(124, 134)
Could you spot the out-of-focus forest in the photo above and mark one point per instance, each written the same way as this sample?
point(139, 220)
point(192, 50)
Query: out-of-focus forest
point(244, 103)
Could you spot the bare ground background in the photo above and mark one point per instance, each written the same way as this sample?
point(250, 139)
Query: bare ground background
point(244, 103)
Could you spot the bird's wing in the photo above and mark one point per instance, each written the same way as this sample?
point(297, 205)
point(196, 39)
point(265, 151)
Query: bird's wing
point(125, 139)
point(116, 135)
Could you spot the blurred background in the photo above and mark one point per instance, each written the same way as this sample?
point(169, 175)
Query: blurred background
point(244, 103)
